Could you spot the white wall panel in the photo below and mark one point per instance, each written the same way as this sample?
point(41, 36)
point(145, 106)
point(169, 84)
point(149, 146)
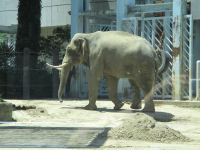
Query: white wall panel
point(3, 18)
point(2, 5)
point(11, 18)
point(11, 4)
point(60, 2)
point(60, 15)
point(8, 12)
point(46, 3)
point(46, 17)
point(54, 12)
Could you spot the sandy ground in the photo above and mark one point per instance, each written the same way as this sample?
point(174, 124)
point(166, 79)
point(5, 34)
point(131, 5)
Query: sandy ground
point(68, 125)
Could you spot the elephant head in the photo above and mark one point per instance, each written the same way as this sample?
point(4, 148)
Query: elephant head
point(76, 53)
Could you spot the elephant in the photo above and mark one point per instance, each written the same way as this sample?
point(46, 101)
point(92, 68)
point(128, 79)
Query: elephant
point(114, 54)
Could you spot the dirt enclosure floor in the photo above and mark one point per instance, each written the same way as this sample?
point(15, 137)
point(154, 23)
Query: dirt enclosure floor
point(52, 125)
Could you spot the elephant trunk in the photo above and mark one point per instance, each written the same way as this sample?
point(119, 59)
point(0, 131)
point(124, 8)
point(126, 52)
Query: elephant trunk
point(63, 80)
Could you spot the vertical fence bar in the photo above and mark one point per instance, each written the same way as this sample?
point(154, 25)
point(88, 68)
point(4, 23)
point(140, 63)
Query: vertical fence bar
point(55, 73)
point(153, 33)
point(191, 57)
point(111, 26)
point(136, 26)
point(26, 73)
point(180, 9)
point(164, 48)
point(142, 25)
point(197, 78)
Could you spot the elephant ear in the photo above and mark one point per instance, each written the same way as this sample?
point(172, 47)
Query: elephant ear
point(83, 45)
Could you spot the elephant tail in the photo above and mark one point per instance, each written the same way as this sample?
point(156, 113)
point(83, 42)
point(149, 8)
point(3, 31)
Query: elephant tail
point(164, 55)
point(165, 61)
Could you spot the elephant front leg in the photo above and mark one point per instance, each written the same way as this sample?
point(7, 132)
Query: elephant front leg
point(112, 83)
point(136, 102)
point(93, 85)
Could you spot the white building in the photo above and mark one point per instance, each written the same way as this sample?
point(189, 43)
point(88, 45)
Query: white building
point(54, 13)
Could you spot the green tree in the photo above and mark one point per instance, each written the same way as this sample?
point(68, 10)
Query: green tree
point(28, 32)
point(2, 35)
point(60, 35)
point(5, 67)
point(28, 36)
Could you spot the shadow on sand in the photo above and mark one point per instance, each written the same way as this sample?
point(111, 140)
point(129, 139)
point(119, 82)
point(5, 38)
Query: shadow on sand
point(158, 115)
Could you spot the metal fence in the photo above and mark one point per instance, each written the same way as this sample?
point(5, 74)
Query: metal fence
point(187, 56)
point(19, 78)
point(151, 29)
point(101, 27)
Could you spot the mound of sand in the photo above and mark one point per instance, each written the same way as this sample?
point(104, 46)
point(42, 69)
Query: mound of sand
point(143, 127)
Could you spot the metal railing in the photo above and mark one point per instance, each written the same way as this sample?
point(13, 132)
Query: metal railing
point(151, 29)
point(20, 79)
point(187, 56)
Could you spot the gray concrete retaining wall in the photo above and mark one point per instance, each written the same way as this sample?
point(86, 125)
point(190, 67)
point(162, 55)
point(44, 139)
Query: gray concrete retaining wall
point(6, 111)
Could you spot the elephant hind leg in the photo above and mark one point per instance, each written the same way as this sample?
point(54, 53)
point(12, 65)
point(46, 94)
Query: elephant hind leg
point(148, 91)
point(112, 83)
point(136, 101)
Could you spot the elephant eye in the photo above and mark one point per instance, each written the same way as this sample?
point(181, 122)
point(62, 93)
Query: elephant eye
point(70, 51)
point(77, 44)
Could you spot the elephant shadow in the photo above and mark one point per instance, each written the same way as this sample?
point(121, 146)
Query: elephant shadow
point(161, 116)
point(103, 109)
point(158, 115)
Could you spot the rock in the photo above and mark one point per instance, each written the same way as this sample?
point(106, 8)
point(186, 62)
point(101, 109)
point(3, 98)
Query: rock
point(18, 107)
point(32, 107)
point(23, 107)
point(6, 111)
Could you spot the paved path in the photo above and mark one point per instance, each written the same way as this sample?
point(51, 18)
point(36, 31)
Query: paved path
point(48, 137)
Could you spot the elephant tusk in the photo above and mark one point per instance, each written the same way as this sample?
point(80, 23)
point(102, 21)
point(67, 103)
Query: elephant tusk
point(57, 67)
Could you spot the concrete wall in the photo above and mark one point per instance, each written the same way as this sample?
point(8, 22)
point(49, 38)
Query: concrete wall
point(98, 5)
point(8, 12)
point(55, 12)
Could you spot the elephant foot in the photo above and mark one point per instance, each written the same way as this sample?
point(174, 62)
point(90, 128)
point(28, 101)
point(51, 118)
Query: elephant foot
point(148, 109)
point(91, 107)
point(60, 99)
point(118, 106)
point(136, 106)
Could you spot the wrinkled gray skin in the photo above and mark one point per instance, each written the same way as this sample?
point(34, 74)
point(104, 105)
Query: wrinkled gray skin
point(114, 54)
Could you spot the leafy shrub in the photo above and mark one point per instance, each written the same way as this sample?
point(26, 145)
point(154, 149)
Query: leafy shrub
point(1, 99)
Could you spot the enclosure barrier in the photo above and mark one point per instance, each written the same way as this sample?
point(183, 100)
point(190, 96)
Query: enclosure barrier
point(26, 73)
point(198, 79)
point(19, 78)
